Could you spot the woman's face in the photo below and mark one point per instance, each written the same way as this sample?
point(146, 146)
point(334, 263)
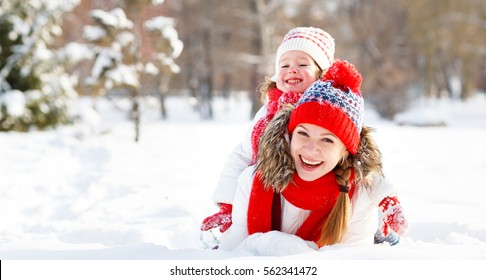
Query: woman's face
point(297, 71)
point(315, 151)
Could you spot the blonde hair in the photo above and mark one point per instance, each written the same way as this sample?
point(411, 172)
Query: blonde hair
point(264, 87)
point(367, 161)
point(336, 224)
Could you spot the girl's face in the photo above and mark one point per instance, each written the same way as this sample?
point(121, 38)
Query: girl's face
point(315, 151)
point(297, 71)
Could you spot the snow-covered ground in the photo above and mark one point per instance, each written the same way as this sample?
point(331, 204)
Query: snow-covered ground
point(90, 192)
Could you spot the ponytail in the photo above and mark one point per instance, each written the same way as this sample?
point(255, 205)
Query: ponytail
point(366, 161)
point(336, 224)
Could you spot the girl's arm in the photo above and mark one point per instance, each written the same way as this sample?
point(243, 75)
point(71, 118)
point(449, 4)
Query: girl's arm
point(239, 159)
point(238, 231)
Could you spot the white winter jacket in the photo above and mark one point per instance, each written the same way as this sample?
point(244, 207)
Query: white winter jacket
point(363, 220)
point(239, 159)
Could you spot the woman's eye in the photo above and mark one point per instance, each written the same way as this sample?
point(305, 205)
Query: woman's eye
point(303, 133)
point(328, 140)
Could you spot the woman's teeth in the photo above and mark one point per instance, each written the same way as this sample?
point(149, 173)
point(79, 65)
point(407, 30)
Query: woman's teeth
point(310, 162)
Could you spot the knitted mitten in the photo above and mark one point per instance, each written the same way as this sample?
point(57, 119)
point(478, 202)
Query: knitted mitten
point(393, 217)
point(222, 219)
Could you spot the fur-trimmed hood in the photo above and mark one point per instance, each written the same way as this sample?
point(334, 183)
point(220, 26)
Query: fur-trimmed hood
point(275, 164)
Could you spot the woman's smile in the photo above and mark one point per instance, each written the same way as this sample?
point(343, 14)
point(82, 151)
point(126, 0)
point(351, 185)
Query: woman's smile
point(315, 151)
point(310, 163)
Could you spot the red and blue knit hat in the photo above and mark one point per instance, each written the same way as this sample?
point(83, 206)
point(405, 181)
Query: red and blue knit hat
point(334, 103)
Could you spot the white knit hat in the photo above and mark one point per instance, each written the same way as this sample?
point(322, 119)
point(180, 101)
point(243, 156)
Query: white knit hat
point(313, 41)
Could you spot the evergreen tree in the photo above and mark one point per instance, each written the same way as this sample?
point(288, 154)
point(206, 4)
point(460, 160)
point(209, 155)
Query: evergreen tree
point(34, 85)
point(168, 47)
point(113, 43)
point(116, 64)
point(117, 58)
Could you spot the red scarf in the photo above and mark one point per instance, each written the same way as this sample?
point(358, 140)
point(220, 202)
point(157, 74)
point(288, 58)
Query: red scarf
point(319, 196)
point(276, 99)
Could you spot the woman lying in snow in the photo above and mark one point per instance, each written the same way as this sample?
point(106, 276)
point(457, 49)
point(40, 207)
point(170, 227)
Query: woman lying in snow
point(318, 174)
point(305, 55)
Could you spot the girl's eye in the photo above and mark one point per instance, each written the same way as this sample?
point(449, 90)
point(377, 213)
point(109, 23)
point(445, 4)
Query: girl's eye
point(304, 65)
point(284, 66)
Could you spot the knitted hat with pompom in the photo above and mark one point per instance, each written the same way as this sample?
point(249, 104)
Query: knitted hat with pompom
point(334, 103)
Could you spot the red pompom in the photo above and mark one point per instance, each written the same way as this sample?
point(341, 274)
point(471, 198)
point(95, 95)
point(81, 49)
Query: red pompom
point(344, 75)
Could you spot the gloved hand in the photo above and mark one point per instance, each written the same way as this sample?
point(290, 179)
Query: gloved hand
point(393, 217)
point(222, 219)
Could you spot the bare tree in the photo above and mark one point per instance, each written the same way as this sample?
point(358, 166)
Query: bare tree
point(197, 31)
point(231, 45)
point(448, 36)
point(377, 45)
point(404, 49)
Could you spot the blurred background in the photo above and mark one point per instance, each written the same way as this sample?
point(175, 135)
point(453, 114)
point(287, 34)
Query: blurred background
point(54, 51)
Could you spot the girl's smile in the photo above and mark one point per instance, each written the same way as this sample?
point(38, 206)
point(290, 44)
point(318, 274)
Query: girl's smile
point(297, 72)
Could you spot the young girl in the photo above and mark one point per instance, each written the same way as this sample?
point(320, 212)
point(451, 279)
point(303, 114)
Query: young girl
point(303, 57)
point(318, 171)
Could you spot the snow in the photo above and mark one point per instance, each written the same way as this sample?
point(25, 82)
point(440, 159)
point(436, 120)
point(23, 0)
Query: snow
point(124, 75)
point(105, 60)
point(75, 52)
point(89, 192)
point(165, 26)
point(14, 102)
point(115, 18)
point(93, 33)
